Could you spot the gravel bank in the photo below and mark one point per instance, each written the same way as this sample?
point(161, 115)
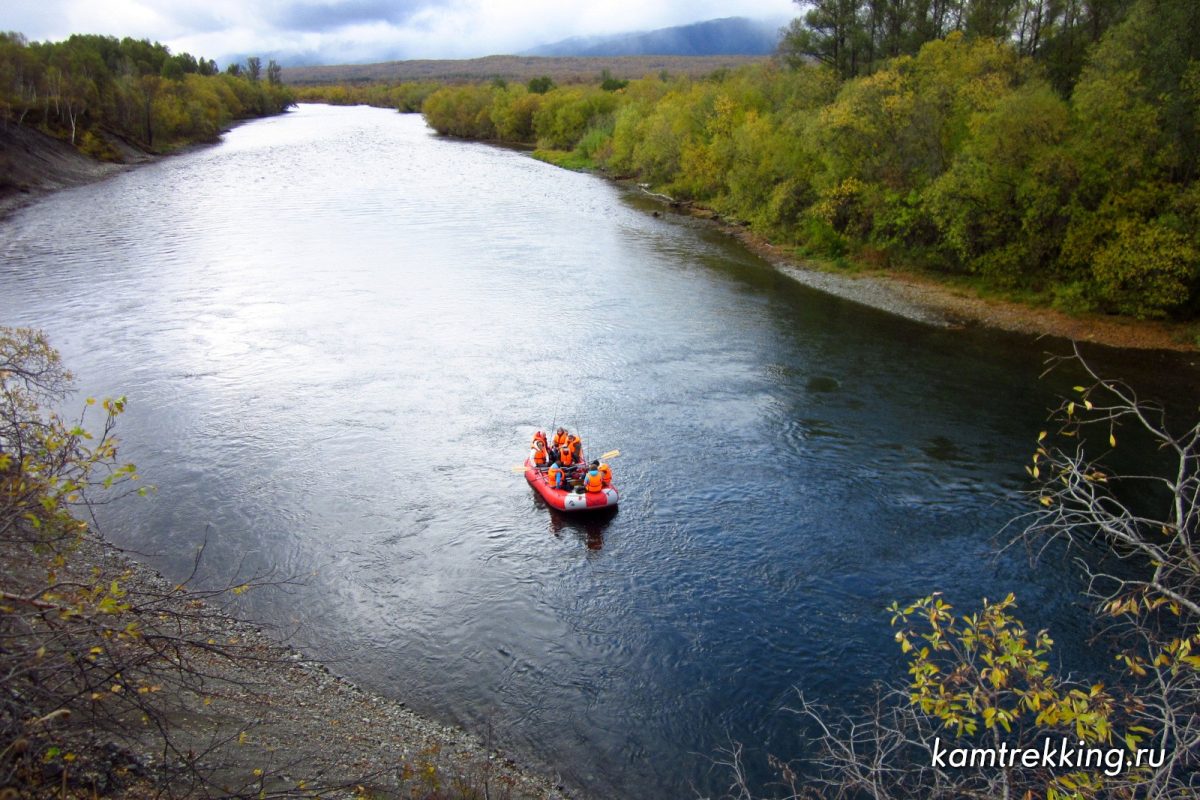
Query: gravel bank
point(266, 720)
point(933, 303)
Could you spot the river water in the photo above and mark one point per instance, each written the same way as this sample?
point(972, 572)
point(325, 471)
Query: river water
point(337, 332)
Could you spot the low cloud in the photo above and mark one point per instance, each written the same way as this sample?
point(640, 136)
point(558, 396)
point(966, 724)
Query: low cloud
point(356, 31)
point(333, 16)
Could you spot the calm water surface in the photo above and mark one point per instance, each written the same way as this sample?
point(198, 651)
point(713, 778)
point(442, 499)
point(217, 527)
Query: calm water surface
point(337, 333)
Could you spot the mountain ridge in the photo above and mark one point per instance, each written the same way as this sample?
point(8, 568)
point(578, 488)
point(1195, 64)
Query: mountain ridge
point(714, 37)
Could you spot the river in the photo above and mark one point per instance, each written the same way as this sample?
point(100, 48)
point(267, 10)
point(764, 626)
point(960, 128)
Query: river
point(337, 333)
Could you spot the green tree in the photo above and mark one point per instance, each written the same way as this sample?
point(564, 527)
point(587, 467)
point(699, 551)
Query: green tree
point(1002, 205)
point(540, 85)
point(1137, 142)
point(831, 33)
point(610, 84)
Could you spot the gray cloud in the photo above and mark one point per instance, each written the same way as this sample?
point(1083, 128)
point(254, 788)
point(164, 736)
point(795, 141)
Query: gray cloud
point(335, 14)
point(348, 31)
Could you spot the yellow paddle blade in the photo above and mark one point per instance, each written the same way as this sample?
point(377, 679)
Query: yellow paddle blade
point(519, 468)
point(610, 454)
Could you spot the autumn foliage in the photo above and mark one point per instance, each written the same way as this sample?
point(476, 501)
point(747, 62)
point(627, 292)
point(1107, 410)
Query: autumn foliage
point(88, 88)
point(985, 159)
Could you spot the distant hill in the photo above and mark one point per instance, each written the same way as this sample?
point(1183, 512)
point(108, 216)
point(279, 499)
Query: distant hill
point(716, 37)
point(563, 69)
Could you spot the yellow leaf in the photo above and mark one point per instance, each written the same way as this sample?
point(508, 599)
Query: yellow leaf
point(1112, 440)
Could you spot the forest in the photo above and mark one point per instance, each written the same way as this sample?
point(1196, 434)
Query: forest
point(1044, 149)
point(406, 96)
point(89, 87)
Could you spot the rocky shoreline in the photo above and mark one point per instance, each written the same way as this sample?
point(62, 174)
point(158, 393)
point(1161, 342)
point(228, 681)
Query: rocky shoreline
point(254, 716)
point(923, 299)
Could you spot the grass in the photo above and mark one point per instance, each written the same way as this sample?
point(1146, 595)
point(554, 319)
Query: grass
point(567, 159)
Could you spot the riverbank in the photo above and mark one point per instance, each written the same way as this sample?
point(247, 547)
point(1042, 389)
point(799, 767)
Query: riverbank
point(935, 302)
point(33, 164)
point(230, 711)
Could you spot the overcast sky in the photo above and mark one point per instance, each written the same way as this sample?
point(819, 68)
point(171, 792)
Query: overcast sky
point(345, 31)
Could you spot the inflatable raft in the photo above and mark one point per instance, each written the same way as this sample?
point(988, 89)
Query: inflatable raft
point(569, 501)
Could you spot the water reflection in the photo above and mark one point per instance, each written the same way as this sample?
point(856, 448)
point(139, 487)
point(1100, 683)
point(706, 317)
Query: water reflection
point(589, 528)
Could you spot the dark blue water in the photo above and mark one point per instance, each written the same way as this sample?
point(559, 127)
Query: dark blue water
point(337, 334)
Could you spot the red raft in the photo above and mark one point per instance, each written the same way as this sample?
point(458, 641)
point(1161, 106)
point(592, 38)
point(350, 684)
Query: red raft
point(569, 501)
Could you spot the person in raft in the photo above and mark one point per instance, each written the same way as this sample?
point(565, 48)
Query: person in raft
point(605, 472)
point(539, 453)
point(555, 477)
point(566, 456)
point(558, 443)
point(575, 445)
point(593, 482)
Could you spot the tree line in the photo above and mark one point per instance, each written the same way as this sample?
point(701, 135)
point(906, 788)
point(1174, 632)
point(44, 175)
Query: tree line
point(88, 85)
point(855, 37)
point(968, 158)
point(405, 96)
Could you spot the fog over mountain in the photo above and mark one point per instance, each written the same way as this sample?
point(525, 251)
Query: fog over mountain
point(715, 37)
point(297, 32)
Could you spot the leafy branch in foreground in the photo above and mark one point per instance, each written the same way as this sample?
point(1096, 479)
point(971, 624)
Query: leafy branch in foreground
point(93, 670)
point(981, 683)
point(1149, 522)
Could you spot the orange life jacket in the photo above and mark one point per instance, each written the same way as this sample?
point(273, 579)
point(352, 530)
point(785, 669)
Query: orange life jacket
point(575, 445)
point(554, 476)
point(594, 482)
point(566, 457)
point(560, 439)
point(605, 473)
point(539, 437)
point(539, 453)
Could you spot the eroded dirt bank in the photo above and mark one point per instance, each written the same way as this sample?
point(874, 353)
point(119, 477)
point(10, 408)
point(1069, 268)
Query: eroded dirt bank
point(33, 164)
